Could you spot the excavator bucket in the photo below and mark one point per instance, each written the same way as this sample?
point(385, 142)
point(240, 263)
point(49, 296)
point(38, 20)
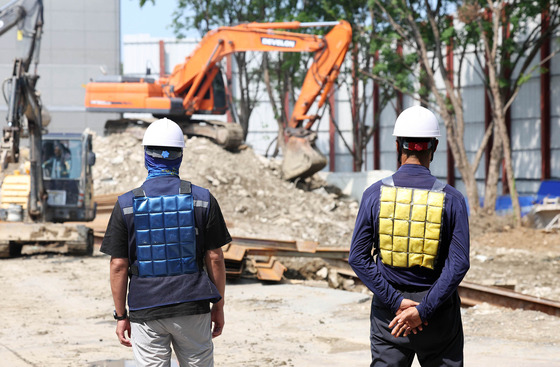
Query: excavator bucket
point(301, 157)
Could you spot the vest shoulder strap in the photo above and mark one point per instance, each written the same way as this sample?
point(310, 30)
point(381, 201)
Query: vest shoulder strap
point(185, 187)
point(138, 192)
point(388, 181)
point(438, 186)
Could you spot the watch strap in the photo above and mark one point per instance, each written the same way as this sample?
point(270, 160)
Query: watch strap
point(117, 317)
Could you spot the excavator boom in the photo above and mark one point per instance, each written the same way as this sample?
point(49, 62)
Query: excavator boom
point(194, 86)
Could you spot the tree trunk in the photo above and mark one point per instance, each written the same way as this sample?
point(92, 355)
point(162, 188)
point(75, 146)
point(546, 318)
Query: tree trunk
point(272, 99)
point(511, 178)
point(455, 142)
point(244, 98)
point(471, 188)
point(493, 175)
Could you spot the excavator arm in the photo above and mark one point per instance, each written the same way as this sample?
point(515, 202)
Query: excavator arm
point(190, 87)
point(186, 79)
point(21, 96)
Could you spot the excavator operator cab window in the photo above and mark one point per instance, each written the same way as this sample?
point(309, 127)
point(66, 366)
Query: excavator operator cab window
point(61, 159)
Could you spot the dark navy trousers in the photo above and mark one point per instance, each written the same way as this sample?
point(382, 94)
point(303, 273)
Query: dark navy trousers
point(439, 344)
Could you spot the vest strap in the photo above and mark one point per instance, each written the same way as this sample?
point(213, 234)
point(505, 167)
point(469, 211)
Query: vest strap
point(388, 181)
point(185, 187)
point(133, 270)
point(437, 186)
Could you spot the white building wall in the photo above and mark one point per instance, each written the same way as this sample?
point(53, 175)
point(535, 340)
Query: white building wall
point(80, 38)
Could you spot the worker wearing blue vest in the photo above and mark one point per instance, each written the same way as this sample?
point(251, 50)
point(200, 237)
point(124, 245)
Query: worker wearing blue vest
point(410, 247)
point(166, 236)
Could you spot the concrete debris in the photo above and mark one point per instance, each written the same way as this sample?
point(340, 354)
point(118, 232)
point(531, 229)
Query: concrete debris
point(255, 200)
point(333, 279)
point(322, 273)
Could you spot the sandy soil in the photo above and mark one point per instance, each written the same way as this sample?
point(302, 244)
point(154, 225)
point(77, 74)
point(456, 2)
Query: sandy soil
point(56, 310)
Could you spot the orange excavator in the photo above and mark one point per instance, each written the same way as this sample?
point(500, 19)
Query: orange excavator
point(196, 87)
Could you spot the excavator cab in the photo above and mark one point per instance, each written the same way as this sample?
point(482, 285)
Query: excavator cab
point(65, 191)
point(67, 164)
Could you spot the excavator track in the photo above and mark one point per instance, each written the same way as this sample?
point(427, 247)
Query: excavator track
point(227, 135)
point(14, 235)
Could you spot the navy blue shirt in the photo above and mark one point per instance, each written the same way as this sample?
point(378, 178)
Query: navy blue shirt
point(453, 259)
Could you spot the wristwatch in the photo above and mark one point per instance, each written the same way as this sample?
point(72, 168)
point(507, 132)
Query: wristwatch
point(117, 317)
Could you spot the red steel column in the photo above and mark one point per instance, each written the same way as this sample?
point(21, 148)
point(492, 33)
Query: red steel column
point(450, 71)
point(545, 101)
point(487, 114)
point(229, 73)
point(332, 134)
point(161, 58)
point(354, 103)
point(399, 94)
point(507, 76)
point(487, 122)
point(376, 123)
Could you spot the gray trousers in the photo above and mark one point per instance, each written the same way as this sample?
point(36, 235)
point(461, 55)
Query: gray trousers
point(191, 337)
point(440, 343)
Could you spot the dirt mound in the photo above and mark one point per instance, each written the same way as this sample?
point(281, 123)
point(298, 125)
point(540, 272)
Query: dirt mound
point(257, 202)
point(254, 198)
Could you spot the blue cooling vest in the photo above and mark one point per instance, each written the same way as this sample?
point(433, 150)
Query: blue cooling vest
point(165, 233)
point(172, 226)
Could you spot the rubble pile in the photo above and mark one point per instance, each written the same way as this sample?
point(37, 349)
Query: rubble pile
point(255, 200)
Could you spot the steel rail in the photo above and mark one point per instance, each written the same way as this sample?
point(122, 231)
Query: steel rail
point(472, 294)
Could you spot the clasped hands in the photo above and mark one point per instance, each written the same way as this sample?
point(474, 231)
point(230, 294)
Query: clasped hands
point(407, 320)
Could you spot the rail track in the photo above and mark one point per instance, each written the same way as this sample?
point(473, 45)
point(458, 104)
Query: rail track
point(271, 270)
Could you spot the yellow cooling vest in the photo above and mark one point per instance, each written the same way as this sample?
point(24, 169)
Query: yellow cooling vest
point(410, 226)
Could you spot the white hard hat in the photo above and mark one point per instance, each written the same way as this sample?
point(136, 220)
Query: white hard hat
point(164, 133)
point(417, 122)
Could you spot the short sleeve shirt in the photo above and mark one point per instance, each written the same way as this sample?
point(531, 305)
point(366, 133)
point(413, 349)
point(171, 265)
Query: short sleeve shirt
point(115, 244)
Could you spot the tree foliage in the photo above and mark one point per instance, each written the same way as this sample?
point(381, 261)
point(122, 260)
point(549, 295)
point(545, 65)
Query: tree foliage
point(491, 38)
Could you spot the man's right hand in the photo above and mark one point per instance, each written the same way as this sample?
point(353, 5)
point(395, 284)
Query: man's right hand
point(406, 304)
point(218, 319)
point(123, 329)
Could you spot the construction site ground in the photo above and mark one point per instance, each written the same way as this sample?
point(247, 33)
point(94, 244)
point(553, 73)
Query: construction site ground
point(56, 310)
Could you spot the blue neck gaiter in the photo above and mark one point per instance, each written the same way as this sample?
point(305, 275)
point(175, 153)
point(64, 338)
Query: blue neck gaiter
point(162, 167)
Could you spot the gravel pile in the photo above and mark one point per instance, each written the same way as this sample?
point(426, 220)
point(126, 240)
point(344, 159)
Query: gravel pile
point(254, 198)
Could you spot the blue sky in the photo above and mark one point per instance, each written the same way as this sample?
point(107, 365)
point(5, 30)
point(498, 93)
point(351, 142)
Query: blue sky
point(151, 19)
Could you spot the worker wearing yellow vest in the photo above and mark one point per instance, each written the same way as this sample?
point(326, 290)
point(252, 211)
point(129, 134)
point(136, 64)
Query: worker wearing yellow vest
point(417, 229)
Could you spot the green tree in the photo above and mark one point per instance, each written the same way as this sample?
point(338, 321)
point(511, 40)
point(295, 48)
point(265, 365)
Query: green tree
point(361, 57)
point(425, 29)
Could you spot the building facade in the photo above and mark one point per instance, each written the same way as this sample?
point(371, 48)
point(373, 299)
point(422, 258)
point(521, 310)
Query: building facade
point(80, 41)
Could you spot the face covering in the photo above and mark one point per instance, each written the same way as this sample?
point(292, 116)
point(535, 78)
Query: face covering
point(162, 167)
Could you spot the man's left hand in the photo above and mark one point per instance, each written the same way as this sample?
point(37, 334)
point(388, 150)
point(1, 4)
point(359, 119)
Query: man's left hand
point(406, 322)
